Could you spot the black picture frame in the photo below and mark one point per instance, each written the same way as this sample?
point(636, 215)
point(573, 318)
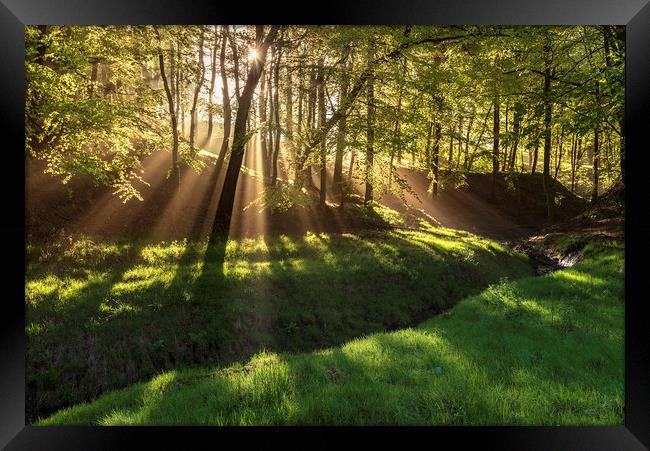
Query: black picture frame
point(15, 14)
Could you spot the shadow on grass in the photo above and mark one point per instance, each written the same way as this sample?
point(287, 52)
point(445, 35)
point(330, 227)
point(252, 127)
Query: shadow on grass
point(501, 368)
point(103, 316)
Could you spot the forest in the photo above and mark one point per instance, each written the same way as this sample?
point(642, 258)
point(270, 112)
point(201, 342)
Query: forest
point(324, 224)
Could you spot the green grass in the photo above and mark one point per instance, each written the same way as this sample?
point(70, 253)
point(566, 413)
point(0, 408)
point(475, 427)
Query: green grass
point(538, 350)
point(104, 315)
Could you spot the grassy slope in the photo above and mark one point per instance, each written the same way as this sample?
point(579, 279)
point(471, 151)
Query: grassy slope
point(544, 350)
point(105, 315)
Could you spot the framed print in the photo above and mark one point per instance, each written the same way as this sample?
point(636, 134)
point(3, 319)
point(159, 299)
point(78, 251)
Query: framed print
point(404, 217)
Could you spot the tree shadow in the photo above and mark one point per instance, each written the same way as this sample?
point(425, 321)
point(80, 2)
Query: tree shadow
point(180, 304)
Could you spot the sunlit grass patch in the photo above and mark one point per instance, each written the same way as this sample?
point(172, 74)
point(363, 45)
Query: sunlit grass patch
point(102, 323)
point(523, 351)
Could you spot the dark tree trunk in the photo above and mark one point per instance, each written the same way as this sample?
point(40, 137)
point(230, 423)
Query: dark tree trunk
point(435, 159)
point(484, 127)
point(460, 139)
point(311, 124)
point(213, 77)
point(615, 37)
point(261, 108)
point(594, 193)
point(548, 186)
point(289, 105)
point(227, 109)
point(397, 135)
point(622, 156)
point(575, 162)
point(223, 216)
point(515, 130)
point(370, 128)
point(558, 163)
point(177, 89)
point(353, 154)
point(495, 147)
point(341, 137)
point(469, 129)
point(297, 181)
point(427, 147)
point(271, 119)
point(200, 77)
point(235, 59)
point(276, 118)
point(321, 115)
point(450, 159)
point(172, 114)
point(181, 100)
point(505, 148)
point(534, 163)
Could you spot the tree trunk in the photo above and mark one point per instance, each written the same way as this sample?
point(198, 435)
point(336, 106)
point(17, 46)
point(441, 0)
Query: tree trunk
point(199, 83)
point(427, 147)
point(594, 193)
point(276, 122)
point(534, 163)
point(177, 89)
point(397, 135)
point(353, 153)
point(460, 141)
point(548, 186)
point(172, 114)
point(311, 124)
point(622, 155)
point(213, 77)
point(469, 129)
point(559, 157)
point(341, 136)
point(450, 159)
point(480, 138)
point(227, 109)
point(505, 148)
point(235, 59)
point(297, 181)
point(223, 216)
point(575, 161)
point(370, 128)
point(289, 105)
point(515, 130)
point(262, 104)
point(321, 115)
point(435, 157)
point(271, 119)
point(495, 147)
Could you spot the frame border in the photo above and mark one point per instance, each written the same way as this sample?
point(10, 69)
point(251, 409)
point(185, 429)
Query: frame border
point(635, 14)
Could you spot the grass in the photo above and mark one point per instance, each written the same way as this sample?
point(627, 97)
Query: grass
point(104, 315)
point(538, 350)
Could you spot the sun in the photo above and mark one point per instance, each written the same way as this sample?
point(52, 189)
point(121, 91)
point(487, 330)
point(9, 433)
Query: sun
point(252, 55)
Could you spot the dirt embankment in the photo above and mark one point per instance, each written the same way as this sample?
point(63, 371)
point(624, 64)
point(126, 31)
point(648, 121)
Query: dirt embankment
point(562, 244)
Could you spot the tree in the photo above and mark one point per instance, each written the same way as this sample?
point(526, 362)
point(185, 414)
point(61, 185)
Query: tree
point(370, 127)
point(213, 78)
point(200, 77)
point(223, 216)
